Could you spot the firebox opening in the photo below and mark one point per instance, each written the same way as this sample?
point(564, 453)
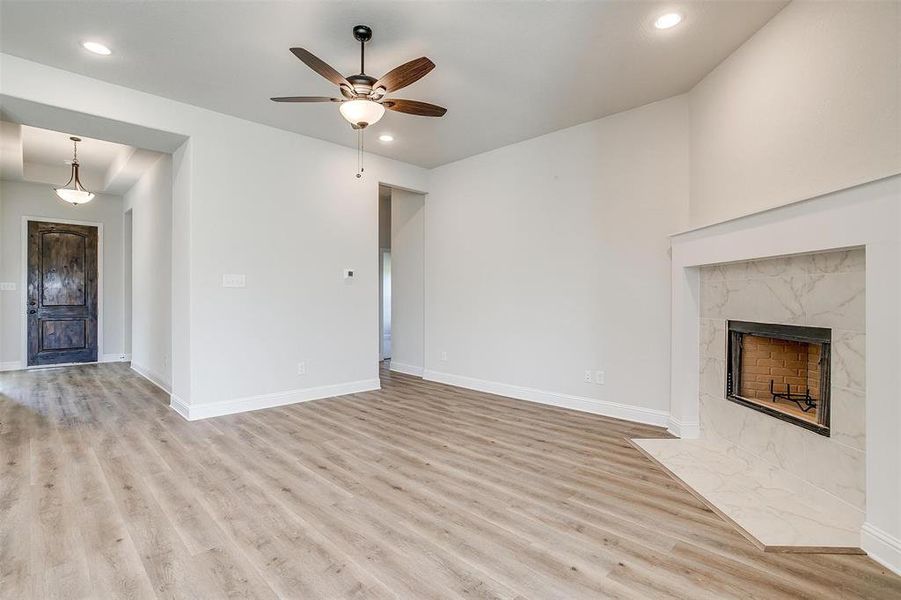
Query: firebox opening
point(782, 370)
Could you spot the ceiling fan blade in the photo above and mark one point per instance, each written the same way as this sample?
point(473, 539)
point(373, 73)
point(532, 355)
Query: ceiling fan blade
point(315, 63)
point(405, 74)
point(414, 107)
point(305, 99)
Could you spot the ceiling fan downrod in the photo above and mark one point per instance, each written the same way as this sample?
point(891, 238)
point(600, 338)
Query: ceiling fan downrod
point(362, 33)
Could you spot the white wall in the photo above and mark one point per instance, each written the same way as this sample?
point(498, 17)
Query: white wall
point(127, 239)
point(384, 273)
point(281, 208)
point(550, 257)
point(407, 280)
point(18, 199)
point(150, 203)
point(182, 172)
point(809, 105)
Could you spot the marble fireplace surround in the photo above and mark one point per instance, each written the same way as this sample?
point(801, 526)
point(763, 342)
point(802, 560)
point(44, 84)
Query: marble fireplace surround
point(866, 216)
point(814, 290)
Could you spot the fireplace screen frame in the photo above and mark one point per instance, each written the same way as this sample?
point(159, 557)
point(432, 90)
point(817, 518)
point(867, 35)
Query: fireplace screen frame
point(821, 336)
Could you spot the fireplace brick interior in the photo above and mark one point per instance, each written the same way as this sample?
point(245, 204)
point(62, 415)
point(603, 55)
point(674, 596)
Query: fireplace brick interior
point(783, 362)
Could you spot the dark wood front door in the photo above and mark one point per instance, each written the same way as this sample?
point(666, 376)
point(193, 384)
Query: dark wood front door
point(62, 293)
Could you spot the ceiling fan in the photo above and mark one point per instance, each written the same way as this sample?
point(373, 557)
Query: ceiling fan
point(364, 100)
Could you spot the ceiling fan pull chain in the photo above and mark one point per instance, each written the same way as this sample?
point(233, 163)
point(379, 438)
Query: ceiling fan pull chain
point(359, 153)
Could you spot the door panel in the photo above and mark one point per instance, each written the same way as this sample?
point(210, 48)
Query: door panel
point(63, 335)
point(62, 293)
point(63, 259)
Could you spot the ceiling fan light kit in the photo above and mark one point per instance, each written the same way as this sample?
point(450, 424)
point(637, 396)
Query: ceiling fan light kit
point(361, 113)
point(73, 192)
point(364, 98)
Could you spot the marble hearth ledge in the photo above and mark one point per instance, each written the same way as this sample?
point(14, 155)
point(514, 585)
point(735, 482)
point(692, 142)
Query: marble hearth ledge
point(771, 507)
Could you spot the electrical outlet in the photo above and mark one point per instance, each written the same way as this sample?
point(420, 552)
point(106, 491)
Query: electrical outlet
point(444, 356)
point(8, 286)
point(301, 368)
point(587, 376)
point(599, 377)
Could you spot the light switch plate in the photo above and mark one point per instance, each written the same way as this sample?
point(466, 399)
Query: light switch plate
point(234, 280)
point(7, 286)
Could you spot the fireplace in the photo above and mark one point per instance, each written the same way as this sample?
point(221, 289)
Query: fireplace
point(780, 370)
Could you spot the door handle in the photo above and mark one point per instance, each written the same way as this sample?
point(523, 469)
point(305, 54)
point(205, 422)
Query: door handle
point(32, 311)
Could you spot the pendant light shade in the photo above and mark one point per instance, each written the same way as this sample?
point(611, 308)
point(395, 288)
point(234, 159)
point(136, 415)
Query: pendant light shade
point(73, 192)
point(361, 113)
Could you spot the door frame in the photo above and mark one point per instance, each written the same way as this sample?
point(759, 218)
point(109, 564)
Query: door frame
point(23, 280)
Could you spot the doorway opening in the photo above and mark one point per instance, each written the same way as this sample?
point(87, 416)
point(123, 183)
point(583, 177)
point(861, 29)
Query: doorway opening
point(384, 274)
point(91, 283)
point(385, 279)
point(401, 279)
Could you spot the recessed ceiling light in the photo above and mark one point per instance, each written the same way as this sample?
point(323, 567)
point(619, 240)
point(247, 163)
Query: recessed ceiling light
point(97, 48)
point(386, 137)
point(668, 20)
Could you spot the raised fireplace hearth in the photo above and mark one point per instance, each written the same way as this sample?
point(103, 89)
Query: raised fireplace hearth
point(780, 370)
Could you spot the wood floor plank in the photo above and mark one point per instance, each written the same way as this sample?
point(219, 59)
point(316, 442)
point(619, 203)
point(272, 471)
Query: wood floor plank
point(60, 569)
point(16, 510)
point(417, 490)
point(397, 555)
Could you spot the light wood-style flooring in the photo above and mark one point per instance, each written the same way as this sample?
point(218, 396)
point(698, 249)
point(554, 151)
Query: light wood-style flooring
point(416, 491)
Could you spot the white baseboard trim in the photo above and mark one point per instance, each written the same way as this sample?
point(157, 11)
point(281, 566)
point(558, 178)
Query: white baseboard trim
point(179, 406)
point(637, 414)
point(684, 430)
point(16, 365)
point(151, 376)
point(193, 412)
point(115, 358)
point(405, 368)
point(882, 547)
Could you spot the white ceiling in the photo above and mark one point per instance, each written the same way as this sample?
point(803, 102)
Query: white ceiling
point(45, 156)
point(506, 71)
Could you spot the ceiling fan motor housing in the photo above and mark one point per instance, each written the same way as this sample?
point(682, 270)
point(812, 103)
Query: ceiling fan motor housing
point(362, 84)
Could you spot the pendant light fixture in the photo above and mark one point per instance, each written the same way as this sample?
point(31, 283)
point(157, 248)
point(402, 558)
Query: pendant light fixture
point(73, 192)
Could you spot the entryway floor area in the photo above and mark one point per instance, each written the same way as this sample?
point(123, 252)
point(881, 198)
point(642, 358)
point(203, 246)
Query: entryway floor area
point(419, 490)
